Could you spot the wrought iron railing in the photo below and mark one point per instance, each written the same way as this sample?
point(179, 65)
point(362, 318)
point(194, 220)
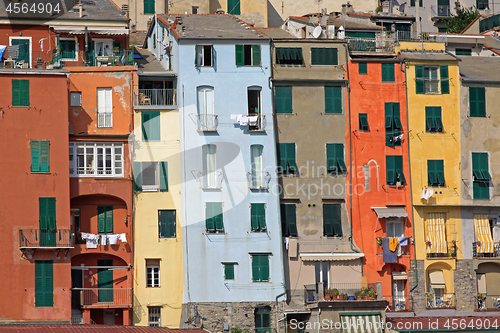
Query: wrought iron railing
point(108, 297)
point(477, 254)
point(155, 97)
point(39, 238)
point(210, 180)
point(258, 125)
point(440, 301)
point(370, 45)
point(450, 251)
point(399, 303)
point(105, 120)
point(207, 122)
point(258, 180)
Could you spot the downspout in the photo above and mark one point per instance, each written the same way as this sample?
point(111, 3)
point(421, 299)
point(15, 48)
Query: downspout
point(409, 176)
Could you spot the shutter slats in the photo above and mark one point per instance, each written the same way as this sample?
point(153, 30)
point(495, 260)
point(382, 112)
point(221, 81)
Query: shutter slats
point(163, 176)
point(109, 219)
point(291, 219)
point(419, 79)
point(44, 156)
point(445, 83)
point(101, 219)
point(43, 213)
point(137, 169)
point(240, 59)
point(35, 156)
point(256, 55)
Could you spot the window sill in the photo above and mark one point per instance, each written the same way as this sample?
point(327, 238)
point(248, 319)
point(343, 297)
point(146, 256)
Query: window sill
point(210, 233)
point(41, 172)
point(20, 106)
point(207, 130)
point(153, 287)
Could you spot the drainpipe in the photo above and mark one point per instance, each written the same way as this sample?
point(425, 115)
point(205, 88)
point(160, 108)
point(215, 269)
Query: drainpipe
point(277, 320)
point(409, 174)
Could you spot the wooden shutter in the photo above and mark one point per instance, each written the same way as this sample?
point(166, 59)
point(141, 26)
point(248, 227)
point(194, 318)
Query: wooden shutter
point(264, 267)
point(35, 155)
point(137, 169)
point(51, 213)
point(291, 220)
point(16, 93)
point(291, 165)
point(362, 68)
point(210, 216)
point(363, 122)
point(154, 126)
point(240, 55)
point(329, 106)
point(439, 167)
point(219, 223)
point(390, 170)
point(328, 219)
point(445, 83)
point(339, 153)
point(109, 219)
point(481, 190)
point(483, 159)
point(162, 223)
point(316, 56)
point(257, 212)
point(419, 79)
point(149, 6)
point(431, 172)
point(477, 102)
point(25, 92)
point(388, 72)
point(256, 55)
point(256, 268)
point(101, 219)
point(229, 271)
point(262, 216)
point(334, 56)
point(337, 220)
point(278, 99)
point(44, 156)
point(399, 168)
point(44, 284)
point(146, 125)
point(476, 166)
point(287, 99)
point(282, 157)
point(331, 158)
point(170, 223)
point(430, 124)
point(389, 121)
point(397, 119)
point(163, 176)
point(43, 210)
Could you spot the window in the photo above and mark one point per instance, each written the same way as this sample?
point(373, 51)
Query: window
point(287, 164)
point(204, 55)
point(388, 72)
point(68, 49)
point(393, 126)
point(150, 126)
point(394, 228)
point(105, 219)
point(324, 56)
point(166, 223)
point(363, 122)
point(210, 180)
point(104, 108)
point(214, 218)
point(257, 180)
point(482, 4)
point(233, 7)
point(228, 271)
point(263, 319)
point(477, 101)
point(289, 56)
point(433, 122)
point(47, 221)
point(481, 176)
point(75, 98)
point(154, 316)
point(150, 176)
point(44, 283)
point(394, 170)
point(333, 99)
point(260, 267)
point(464, 52)
point(420, 3)
point(283, 99)
point(427, 80)
point(362, 68)
point(332, 222)
point(207, 120)
point(335, 158)
point(153, 273)
point(247, 55)
point(40, 156)
point(20, 92)
point(435, 172)
point(288, 220)
point(258, 216)
point(96, 159)
point(194, 9)
point(149, 6)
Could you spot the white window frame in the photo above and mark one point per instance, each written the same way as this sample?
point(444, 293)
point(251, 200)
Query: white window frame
point(430, 82)
point(105, 111)
point(257, 166)
point(75, 93)
point(390, 225)
point(76, 49)
point(200, 51)
point(156, 186)
point(210, 166)
point(90, 158)
point(30, 49)
point(154, 282)
point(154, 311)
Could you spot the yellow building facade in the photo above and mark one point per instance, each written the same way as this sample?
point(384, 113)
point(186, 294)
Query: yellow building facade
point(433, 86)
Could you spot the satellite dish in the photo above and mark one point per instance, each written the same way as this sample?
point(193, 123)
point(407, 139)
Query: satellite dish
point(317, 32)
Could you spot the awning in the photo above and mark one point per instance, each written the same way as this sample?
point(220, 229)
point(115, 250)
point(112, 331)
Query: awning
point(95, 30)
point(436, 233)
point(483, 234)
point(383, 212)
point(362, 323)
point(330, 256)
point(436, 279)
point(399, 276)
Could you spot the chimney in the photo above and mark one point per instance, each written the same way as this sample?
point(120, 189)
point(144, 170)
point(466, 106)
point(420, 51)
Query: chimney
point(347, 8)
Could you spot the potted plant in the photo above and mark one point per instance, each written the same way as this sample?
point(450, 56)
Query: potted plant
point(116, 49)
point(428, 243)
point(359, 294)
point(343, 296)
point(379, 241)
point(481, 296)
point(334, 293)
point(327, 295)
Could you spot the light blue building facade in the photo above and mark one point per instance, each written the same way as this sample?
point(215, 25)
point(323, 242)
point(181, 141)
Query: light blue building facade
point(230, 195)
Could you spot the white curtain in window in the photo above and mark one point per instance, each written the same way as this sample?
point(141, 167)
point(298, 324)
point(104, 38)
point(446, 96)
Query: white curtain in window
point(209, 166)
point(206, 108)
point(256, 160)
point(104, 100)
point(199, 55)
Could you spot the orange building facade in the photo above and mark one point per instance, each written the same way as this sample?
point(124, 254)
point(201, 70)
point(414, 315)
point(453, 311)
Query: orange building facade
point(381, 200)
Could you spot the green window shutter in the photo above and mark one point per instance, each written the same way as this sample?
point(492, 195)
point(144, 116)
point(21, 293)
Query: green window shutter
point(336, 220)
point(109, 219)
point(291, 165)
point(329, 99)
point(362, 68)
point(149, 6)
point(256, 55)
point(333, 99)
point(481, 190)
point(314, 56)
point(137, 169)
point(399, 169)
point(35, 155)
point(431, 172)
point(24, 86)
point(44, 156)
point(388, 72)
point(335, 56)
point(388, 116)
point(396, 114)
point(16, 93)
point(363, 122)
point(483, 159)
point(279, 99)
point(146, 125)
point(264, 267)
point(44, 283)
point(162, 223)
point(473, 107)
point(163, 176)
point(419, 79)
point(254, 217)
point(339, 153)
point(228, 271)
point(196, 55)
point(210, 217)
point(262, 216)
point(43, 212)
point(287, 99)
point(258, 216)
point(282, 157)
point(328, 220)
point(476, 166)
point(171, 223)
point(331, 158)
point(240, 58)
point(464, 52)
point(256, 268)
point(101, 219)
point(445, 83)
point(291, 219)
point(439, 167)
point(51, 213)
point(477, 98)
point(233, 7)
point(154, 128)
point(390, 165)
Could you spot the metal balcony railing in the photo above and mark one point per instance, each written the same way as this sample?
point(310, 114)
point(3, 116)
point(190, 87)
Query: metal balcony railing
point(207, 122)
point(107, 297)
point(39, 239)
point(260, 125)
point(440, 10)
point(440, 301)
point(399, 303)
point(494, 254)
point(155, 97)
point(405, 36)
point(105, 120)
point(258, 180)
point(369, 45)
point(405, 250)
point(488, 302)
point(451, 252)
point(210, 180)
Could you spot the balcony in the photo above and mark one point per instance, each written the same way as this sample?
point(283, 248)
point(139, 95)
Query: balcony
point(405, 250)
point(494, 254)
point(440, 301)
point(346, 291)
point(103, 297)
point(207, 122)
point(155, 98)
point(105, 120)
point(45, 239)
point(259, 125)
point(209, 180)
point(440, 11)
point(258, 180)
point(370, 45)
point(488, 302)
point(399, 303)
point(450, 252)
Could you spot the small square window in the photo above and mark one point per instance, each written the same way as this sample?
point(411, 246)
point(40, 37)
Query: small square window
point(153, 273)
point(229, 271)
point(76, 98)
point(363, 122)
point(195, 9)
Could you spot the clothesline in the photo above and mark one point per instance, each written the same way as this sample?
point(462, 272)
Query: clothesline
point(245, 120)
point(92, 239)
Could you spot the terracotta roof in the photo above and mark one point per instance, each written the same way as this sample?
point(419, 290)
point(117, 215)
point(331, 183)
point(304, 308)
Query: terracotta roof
point(415, 324)
point(21, 328)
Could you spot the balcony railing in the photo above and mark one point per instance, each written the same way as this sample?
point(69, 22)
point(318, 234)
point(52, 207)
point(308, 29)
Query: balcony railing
point(451, 252)
point(440, 10)
point(440, 301)
point(405, 250)
point(260, 125)
point(105, 120)
point(488, 302)
point(399, 303)
point(405, 35)
point(312, 294)
point(39, 239)
point(155, 97)
point(370, 45)
point(210, 180)
point(494, 254)
point(258, 180)
point(207, 122)
point(104, 297)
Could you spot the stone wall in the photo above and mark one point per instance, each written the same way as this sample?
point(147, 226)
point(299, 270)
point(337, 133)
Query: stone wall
point(213, 316)
point(418, 294)
point(465, 285)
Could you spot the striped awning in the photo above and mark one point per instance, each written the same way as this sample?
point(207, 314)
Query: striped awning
point(483, 233)
point(436, 233)
point(436, 279)
point(361, 323)
point(330, 256)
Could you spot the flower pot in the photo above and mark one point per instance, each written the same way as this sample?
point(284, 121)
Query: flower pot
point(327, 297)
point(310, 298)
point(366, 298)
